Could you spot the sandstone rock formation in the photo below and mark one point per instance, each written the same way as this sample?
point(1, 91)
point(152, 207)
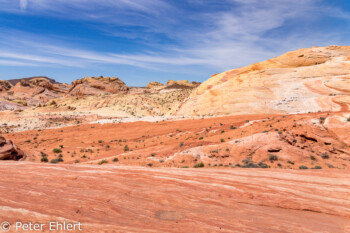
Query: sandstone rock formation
point(305, 80)
point(317, 140)
point(9, 151)
point(33, 91)
point(5, 85)
point(15, 81)
point(181, 84)
point(97, 85)
point(135, 200)
point(151, 85)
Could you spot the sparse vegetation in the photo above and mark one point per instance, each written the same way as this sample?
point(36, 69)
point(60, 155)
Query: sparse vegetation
point(303, 167)
point(102, 162)
point(44, 160)
point(198, 165)
point(273, 158)
point(325, 155)
point(126, 148)
point(56, 150)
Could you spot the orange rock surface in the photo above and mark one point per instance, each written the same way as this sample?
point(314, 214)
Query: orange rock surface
point(301, 81)
point(132, 199)
point(97, 85)
point(317, 140)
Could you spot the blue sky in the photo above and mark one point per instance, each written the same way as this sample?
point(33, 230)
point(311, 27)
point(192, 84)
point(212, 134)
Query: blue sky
point(156, 40)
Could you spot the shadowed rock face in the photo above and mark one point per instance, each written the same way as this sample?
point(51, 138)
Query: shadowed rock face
point(97, 85)
point(301, 81)
point(134, 199)
point(9, 151)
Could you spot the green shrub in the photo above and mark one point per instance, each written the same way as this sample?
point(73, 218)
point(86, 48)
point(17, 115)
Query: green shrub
point(57, 150)
point(317, 167)
point(102, 162)
point(199, 165)
point(273, 157)
point(325, 155)
point(201, 138)
point(303, 167)
point(44, 160)
point(222, 140)
point(115, 160)
point(312, 157)
point(126, 148)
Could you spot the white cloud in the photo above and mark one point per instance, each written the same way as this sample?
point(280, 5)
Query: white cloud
point(236, 34)
point(23, 4)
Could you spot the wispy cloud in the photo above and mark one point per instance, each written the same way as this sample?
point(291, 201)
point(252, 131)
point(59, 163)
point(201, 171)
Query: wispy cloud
point(23, 4)
point(169, 34)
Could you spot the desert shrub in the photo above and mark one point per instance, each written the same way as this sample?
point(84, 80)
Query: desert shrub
point(44, 160)
point(181, 144)
point(348, 119)
point(77, 161)
point(325, 155)
point(54, 161)
point(232, 127)
point(100, 141)
point(201, 138)
point(312, 157)
point(262, 165)
point(126, 148)
point(115, 160)
point(56, 150)
point(102, 162)
point(303, 167)
point(317, 167)
point(222, 140)
point(273, 157)
point(185, 167)
point(199, 165)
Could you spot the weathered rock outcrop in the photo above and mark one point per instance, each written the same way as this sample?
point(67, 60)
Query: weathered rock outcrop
point(301, 81)
point(34, 91)
point(5, 85)
point(152, 85)
point(9, 151)
point(181, 84)
point(97, 85)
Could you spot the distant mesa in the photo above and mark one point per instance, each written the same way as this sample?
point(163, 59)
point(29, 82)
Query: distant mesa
point(171, 84)
point(15, 81)
point(151, 85)
point(97, 85)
